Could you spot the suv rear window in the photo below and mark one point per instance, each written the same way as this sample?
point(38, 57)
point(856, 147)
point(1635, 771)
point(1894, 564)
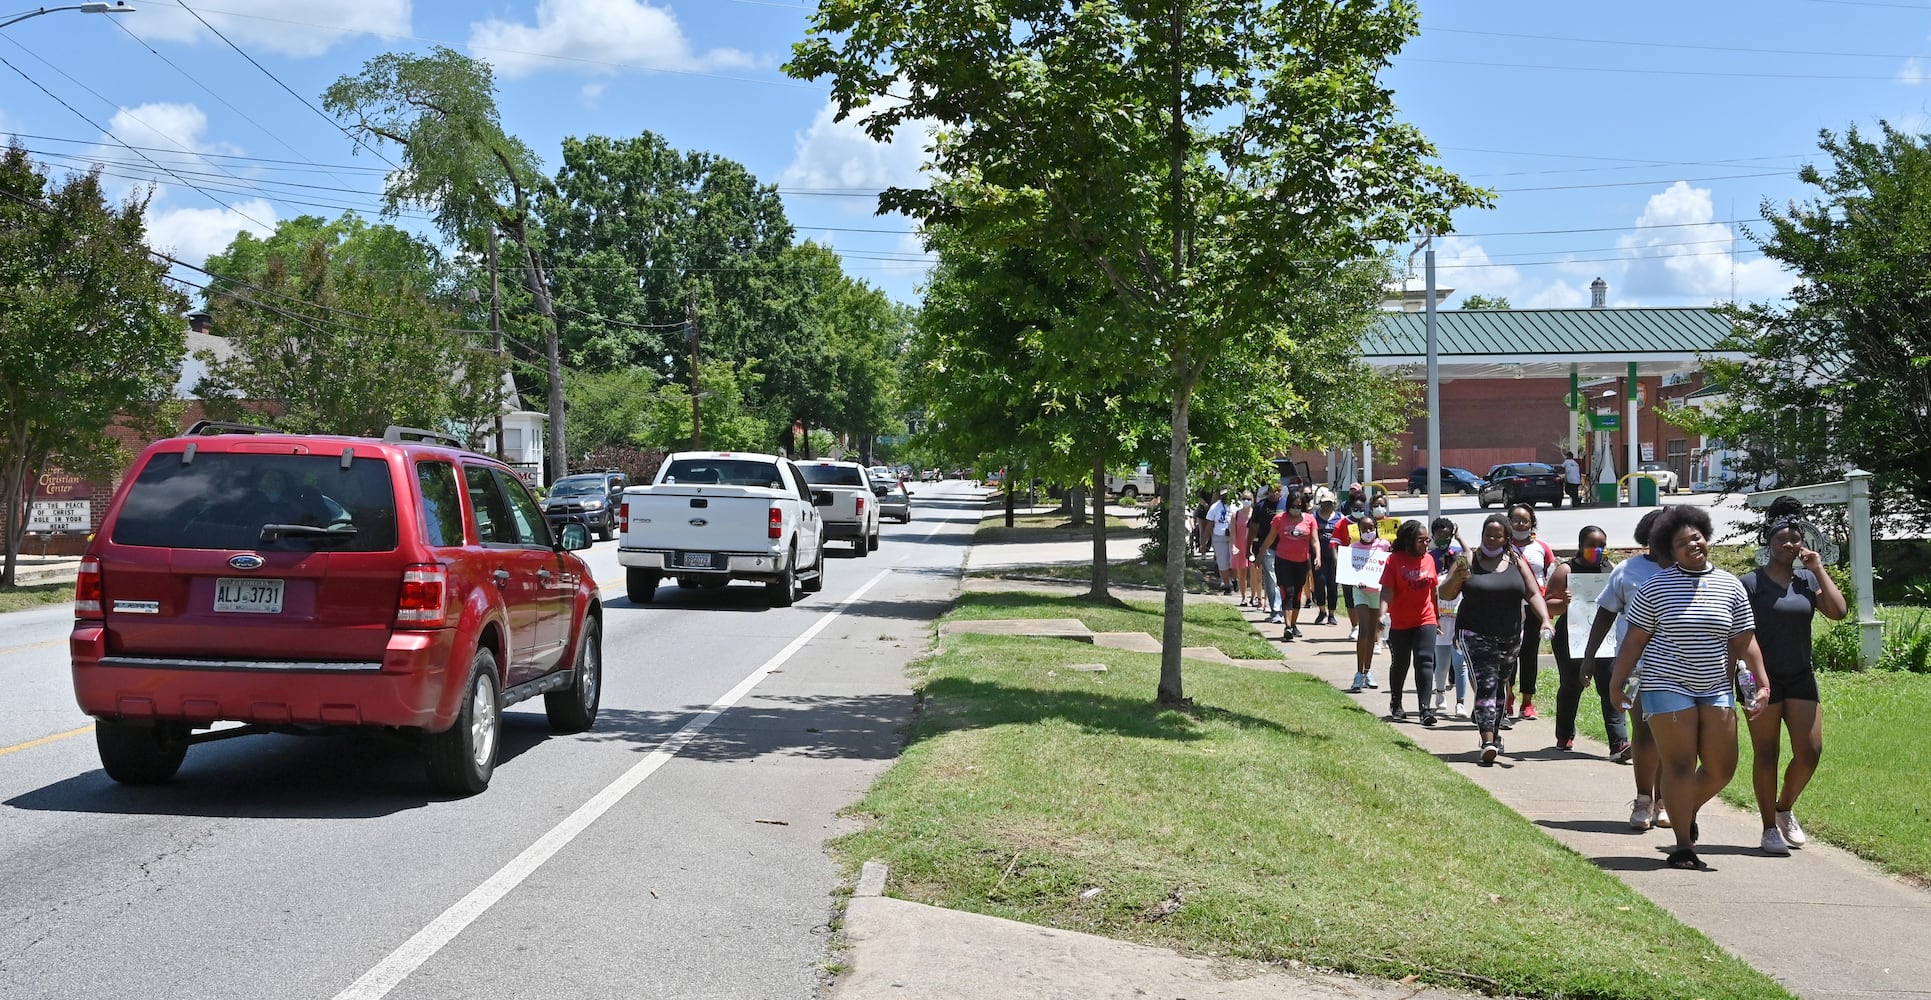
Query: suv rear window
point(226, 500)
point(723, 472)
point(832, 475)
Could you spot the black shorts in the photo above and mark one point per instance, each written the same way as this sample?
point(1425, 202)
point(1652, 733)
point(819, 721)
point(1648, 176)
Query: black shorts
point(1292, 576)
point(1797, 687)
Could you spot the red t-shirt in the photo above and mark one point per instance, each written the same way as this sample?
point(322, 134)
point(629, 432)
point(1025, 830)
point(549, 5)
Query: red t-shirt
point(1408, 590)
point(1295, 543)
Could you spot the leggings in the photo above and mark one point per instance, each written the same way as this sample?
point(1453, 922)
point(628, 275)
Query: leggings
point(1417, 644)
point(1569, 695)
point(1293, 576)
point(1527, 665)
point(1490, 659)
point(1324, 587)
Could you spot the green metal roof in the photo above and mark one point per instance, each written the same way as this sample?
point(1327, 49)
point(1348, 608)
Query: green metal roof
point(1599, 341)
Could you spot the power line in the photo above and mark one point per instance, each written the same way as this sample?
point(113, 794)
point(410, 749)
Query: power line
point(1678, 45)
point(309, 166)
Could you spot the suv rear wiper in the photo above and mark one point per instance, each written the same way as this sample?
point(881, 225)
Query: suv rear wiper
point(275, 532)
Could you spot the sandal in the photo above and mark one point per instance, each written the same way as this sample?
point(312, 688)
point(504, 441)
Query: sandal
point(1683, 859)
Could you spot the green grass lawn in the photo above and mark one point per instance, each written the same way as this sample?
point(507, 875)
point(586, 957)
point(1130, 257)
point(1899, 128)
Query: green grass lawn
point(1216, 625)
point(1054, 526)
point(1289, 823)
point(21, 598)
point(1871, 793)
point(1124, 573)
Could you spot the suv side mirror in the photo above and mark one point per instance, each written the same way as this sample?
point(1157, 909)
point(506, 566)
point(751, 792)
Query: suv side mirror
point(573, 537)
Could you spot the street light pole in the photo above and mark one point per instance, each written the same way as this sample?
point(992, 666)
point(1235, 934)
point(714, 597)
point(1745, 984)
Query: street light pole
point(85, 8)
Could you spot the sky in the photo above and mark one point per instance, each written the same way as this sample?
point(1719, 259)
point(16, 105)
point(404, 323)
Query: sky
point(1635, 142)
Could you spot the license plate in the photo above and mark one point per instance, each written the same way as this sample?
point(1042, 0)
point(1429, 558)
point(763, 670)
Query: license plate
point(263, 597)
point(697, 560)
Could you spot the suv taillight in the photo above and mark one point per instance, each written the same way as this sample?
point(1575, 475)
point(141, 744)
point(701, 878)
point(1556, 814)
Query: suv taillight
point(777, 524)
point(87, 589)
point(425, 587)
point(623, 516)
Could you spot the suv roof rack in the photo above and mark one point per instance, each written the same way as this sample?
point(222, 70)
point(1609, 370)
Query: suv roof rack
point(202, 427)
point(396, 432)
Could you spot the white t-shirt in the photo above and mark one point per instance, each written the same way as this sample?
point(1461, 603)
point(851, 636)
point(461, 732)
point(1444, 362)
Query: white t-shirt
point(1572, 471)
point(1220, 515)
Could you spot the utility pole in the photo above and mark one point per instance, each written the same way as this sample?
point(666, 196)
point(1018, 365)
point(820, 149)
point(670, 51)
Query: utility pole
point(697, 413)
point(496, 334)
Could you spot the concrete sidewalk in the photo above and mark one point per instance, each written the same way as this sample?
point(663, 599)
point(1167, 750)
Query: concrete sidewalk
point(1822, 922)
point(37, 571)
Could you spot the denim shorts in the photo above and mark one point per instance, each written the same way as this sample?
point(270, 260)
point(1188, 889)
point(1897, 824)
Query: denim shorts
point(1655, 703)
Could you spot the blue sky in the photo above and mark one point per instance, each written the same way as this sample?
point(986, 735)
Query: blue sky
point(1626, 141)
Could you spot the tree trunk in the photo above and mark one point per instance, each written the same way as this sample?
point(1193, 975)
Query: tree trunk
point(1175, 609)
point(1011, 498)
point(15, 521)
point(1099, 591)
point(1076, 504)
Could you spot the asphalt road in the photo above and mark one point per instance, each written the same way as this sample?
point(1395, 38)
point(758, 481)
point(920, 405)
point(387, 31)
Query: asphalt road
point(671, 851)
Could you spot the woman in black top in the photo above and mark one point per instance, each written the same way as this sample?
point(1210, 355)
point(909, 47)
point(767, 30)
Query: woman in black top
point(1783, 597)
point(1591, 559)
point(1493, 582)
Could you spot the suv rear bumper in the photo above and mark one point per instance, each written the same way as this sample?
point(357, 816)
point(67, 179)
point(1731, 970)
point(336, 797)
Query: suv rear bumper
point(406, 688)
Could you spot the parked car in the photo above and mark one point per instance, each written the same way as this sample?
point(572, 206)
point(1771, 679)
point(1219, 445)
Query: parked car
point(1454, 480)
point(296, 582)
point(587, 497)
point(1521, 482)
point(894, 500)
point(1138, 483)
point(1666, 477)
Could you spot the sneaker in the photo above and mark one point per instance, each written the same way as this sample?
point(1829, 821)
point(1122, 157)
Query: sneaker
point(1395, 714)
point(1566, 745)
point(1500, 747)
point(1508, 707)
point(1505, 723)
point(1441, 699)
point(1355, 688)
point(1622, 752)
point(1661, 817)
point(1296, 629)
point(1287, 635)
point(1371, 685)
point(1773, 843)
point(1642, 813)
point(1489, 750)
point(1793, 834)
point(1428, 718)
point(1274, 618)
point(1354, 632)
point(1461, 710)
point(1528, 709)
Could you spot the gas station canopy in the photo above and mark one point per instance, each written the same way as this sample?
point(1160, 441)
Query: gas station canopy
point(1550, 343)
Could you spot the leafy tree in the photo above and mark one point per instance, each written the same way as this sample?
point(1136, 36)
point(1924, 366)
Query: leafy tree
point(1209, 159)
point(90, 334)
point(1485, 302)
point(1840, 375)
point(334, 323)
point(440, 111)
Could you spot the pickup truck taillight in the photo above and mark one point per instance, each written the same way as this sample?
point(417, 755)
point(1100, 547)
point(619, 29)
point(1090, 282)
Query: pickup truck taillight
point(861, 507)
point(777, 524)
point(425, 587)
point(87, 589)
point(623, 516)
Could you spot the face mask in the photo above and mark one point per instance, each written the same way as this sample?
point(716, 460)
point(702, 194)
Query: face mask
point(1494, 552)
point(1521, 534)
point(1444, 541)
point(1592, 554)
point(1381, 512)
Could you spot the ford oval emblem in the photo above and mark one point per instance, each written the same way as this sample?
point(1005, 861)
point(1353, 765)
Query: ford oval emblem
point(246, 562)
point(698, 522)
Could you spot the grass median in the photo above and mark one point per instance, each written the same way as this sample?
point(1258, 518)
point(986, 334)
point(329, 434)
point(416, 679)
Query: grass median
point(38, 595)
point(1054, 526)
point(1274, 820)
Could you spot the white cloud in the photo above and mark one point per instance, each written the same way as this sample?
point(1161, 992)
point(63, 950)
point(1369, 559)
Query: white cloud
point(592, 93)
point(626, 33)
point(193, 234)
point(178, 129)
point(1679, 253)
point(289, 27)
point(834, 154)
point(1464, 265)
point(1912, 72)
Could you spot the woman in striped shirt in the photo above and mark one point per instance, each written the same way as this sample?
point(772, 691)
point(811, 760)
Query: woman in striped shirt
point(1687, 625)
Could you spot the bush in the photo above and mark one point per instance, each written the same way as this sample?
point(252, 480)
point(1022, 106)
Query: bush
point(1154, 549)
point(1835, 648)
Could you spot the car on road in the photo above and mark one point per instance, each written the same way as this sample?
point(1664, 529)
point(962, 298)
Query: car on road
point(894, 500)
point(712, 517)
point(1454, 480)
point(853, 512)
point(587, 497)
point(1666, 478)
point(1521, 482)
point(301, 582)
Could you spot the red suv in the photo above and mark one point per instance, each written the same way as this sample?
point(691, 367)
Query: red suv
point(294, 582)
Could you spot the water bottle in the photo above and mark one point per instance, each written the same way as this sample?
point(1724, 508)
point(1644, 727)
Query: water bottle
point(1746, 686)
point(1629, 692)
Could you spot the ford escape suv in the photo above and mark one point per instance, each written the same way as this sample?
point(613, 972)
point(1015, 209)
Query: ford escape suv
point(296, 582)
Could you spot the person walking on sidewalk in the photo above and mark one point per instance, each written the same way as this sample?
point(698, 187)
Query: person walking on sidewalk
point(1450, 664)
point(1542, 562)
point(1783, 597)
point(1325, 592)
point(1624, 581)
point(1366, 595)
point(1291, 540)
point(1260, 522)
point(1221, 516)
point(1590, 560)
point(1242, 512)
point(1494, 585)
point(1408, 583)
point(1687, 625)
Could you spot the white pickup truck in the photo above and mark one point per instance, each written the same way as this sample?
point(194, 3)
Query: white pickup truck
point(853, 514)
point(713, 516)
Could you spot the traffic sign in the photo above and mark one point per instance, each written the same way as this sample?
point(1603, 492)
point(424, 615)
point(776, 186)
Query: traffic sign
point(1605, 421)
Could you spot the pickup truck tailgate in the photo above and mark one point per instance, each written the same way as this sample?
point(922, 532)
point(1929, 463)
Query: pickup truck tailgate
point(716, 519)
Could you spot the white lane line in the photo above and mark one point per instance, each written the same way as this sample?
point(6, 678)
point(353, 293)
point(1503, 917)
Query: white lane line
point(391, 971)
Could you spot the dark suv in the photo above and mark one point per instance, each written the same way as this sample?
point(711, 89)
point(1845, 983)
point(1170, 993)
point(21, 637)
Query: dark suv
point(1521, 482)
point(587, 497)
point(299, 582)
